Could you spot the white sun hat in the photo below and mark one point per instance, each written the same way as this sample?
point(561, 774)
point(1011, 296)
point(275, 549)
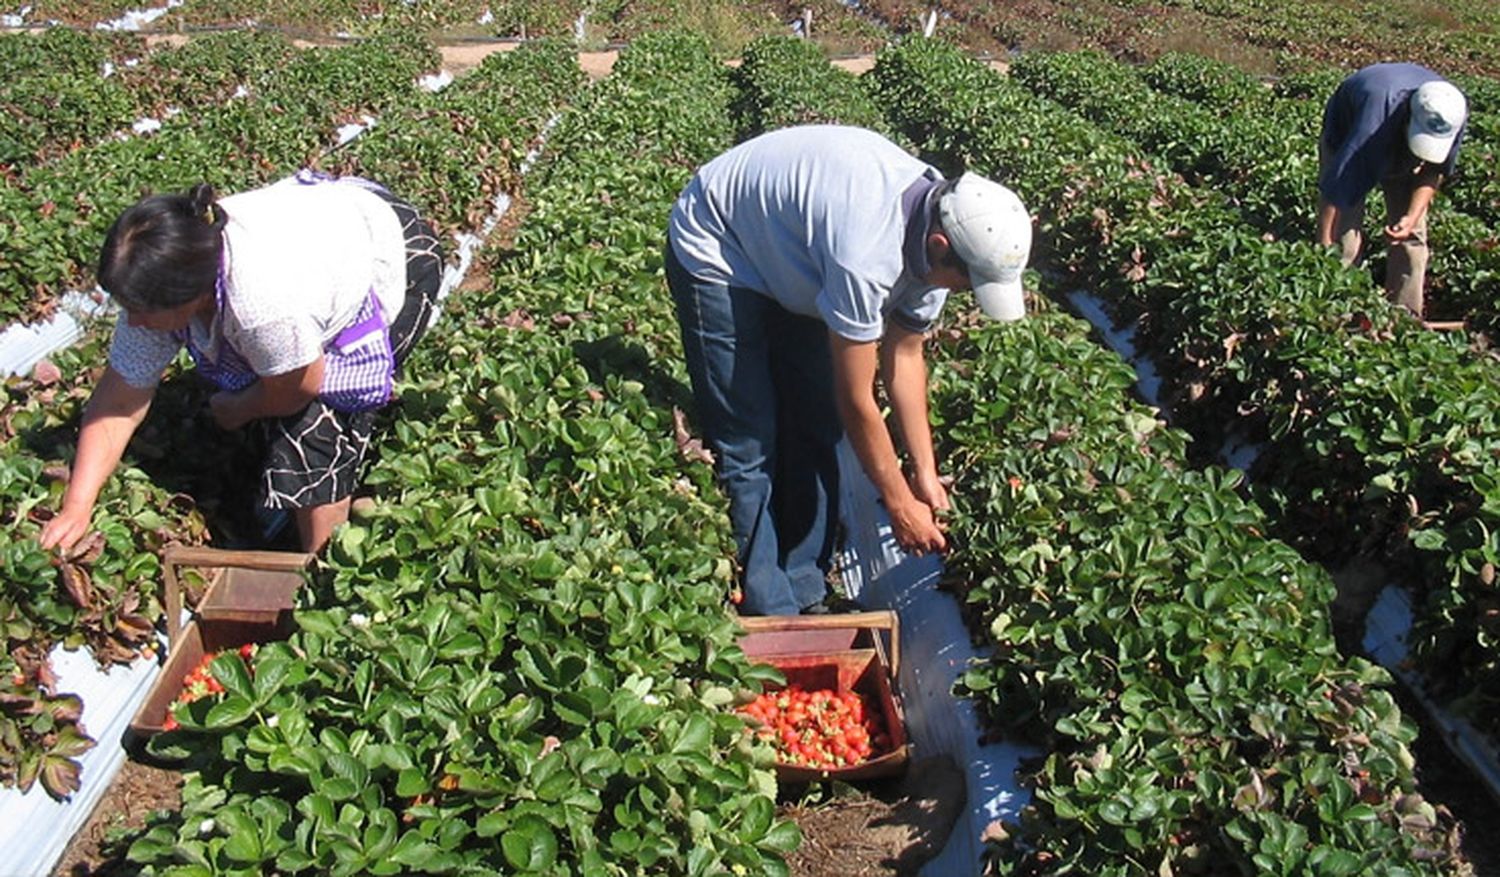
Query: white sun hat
point(990, 230)
point(1438, 110)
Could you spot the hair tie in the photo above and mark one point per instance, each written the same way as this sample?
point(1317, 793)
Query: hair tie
point(208, 214)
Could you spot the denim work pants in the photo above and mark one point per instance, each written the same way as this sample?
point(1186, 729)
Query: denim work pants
point(763, 384)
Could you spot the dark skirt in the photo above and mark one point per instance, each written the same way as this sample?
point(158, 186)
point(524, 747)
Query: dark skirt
point(314, 457)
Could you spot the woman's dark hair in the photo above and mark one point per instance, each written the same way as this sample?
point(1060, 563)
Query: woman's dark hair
point(163, 252)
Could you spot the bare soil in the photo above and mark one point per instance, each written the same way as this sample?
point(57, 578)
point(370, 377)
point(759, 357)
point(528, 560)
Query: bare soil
point(885, 829)
point(596, 65)
point(137, 791)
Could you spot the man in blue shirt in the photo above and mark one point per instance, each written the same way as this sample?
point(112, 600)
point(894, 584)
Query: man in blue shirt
point(1399, 126)
point(805, 263)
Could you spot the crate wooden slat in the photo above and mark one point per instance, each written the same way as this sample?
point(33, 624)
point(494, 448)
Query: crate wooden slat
point(249, 599)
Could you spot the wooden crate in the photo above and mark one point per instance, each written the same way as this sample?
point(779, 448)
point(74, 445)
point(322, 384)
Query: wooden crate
point(249, 599)
point(857, 651)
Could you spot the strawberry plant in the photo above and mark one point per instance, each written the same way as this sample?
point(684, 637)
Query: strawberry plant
point(285, 122)
point(40, 738)
point(526, 666)
point(63, 50)
point(457, 150)
point(202, 681)
point(1065, 590)
point(785, 81)
point(102, 595)
point(1268, 339)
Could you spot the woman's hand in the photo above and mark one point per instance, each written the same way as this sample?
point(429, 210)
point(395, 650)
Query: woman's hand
point(114, 411)
point(66, 527)
point(270, 396)
point(227, 410)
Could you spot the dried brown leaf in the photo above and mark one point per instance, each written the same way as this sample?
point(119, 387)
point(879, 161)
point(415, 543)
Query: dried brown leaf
point(75, 580)
point(45, 372)
point(60, 776)
point(690, 448)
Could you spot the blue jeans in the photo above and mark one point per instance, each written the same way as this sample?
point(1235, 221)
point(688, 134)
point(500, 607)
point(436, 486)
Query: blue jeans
point(763, 384)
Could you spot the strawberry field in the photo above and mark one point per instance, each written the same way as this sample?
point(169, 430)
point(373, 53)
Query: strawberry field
point(521, 657)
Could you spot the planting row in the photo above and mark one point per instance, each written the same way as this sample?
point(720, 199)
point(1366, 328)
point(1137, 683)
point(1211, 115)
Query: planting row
point(60, 209)
point(527, 662)
point(1225, 89)
point(1378, 436)
point(67, 89)
point(1178, 665)
point(1465, 213)
point(728, 23)
point(1263, 156)
point(106, 594)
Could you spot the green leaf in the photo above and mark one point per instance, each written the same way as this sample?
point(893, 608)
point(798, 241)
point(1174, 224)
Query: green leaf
point(491, 824)
point(242, 843)
point(232, 710)
point(229, 668)
point(530, 844)
point(338, 788)
point(380, 834)
point(318, 622)
point(695, 736)
point(412, 782)
point(318, 808)
point(759, 814)
point(782, 838)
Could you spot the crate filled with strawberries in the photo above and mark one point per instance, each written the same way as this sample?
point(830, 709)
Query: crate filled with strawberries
point(838, 715)
point(247, 601)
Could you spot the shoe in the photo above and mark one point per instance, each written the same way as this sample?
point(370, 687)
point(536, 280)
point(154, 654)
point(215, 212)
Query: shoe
point(833, 606)
point(843, 605)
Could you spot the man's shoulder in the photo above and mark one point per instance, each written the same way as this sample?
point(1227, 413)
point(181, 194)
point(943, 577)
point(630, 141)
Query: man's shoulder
point(1388, 76)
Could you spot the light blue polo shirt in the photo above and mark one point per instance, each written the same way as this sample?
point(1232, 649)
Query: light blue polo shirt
point(813, 217)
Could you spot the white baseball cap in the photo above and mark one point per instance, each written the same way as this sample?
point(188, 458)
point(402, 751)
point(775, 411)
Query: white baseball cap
point(1438, 110)
point(990, 230)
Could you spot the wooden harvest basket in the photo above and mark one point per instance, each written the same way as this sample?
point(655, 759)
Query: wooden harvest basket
point(857, 651)
point(249, 599)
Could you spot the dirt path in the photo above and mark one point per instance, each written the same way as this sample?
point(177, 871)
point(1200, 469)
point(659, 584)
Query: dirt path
point(461, 58)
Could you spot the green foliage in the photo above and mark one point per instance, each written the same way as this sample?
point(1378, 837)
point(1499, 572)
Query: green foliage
point(1143, 626)
point(517, 663)
point(456, 151)
point(785, 81)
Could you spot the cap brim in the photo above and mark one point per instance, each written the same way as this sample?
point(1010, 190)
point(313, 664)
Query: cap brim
point(1001, 299)
point(1430, 147)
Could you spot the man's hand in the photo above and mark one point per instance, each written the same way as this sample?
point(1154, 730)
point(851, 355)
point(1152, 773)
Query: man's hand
point(1402, 229)
point(66, 528)
point(929, 488)
point(915, 528)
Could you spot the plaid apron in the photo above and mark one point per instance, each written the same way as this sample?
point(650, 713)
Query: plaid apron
point(359, 365)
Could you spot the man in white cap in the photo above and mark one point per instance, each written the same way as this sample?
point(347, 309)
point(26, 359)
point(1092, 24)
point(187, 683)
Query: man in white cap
point(1398, 125)
point(805, 263)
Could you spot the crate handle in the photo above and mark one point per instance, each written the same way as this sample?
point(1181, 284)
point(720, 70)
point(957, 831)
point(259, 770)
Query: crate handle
point(883, 619)
point(191, 555)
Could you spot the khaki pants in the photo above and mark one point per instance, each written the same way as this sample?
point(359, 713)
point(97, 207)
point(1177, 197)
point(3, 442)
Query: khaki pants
point(1406, 263)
